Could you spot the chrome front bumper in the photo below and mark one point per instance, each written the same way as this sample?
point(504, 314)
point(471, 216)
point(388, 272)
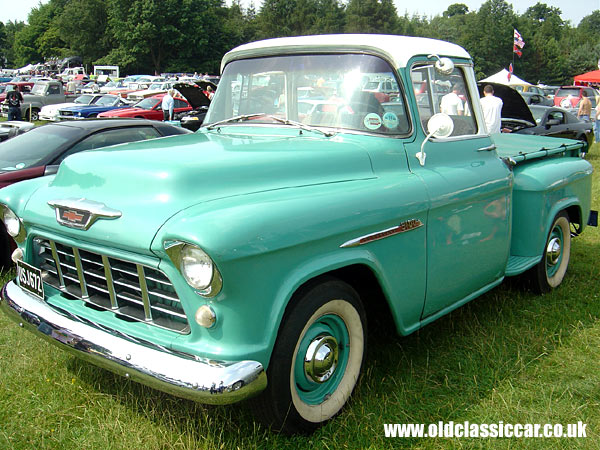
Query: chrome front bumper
point(182, 375)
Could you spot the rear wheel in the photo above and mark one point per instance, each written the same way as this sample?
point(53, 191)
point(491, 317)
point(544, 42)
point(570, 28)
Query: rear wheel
point(316, 360)
point(550, 271)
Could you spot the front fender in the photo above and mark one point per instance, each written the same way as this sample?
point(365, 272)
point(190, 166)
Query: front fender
point(266, 245)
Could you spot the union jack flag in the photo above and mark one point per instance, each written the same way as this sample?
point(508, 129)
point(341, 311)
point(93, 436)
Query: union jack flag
point(518, 39)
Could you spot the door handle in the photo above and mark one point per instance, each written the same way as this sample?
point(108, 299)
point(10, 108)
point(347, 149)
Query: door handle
point(487, 149)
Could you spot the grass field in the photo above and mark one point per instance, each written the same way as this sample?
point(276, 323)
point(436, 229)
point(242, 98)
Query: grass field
point(508, 356)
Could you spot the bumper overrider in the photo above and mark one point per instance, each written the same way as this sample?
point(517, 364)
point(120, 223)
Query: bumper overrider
point(182, 375)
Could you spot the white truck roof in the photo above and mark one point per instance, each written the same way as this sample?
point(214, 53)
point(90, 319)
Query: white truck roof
point(398, 49)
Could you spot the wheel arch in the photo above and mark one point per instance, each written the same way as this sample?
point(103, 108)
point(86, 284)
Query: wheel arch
point(361, 276)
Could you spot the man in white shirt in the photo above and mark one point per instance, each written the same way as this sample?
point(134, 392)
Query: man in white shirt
point(492, 109)
point(451, 103)
point(168, 105)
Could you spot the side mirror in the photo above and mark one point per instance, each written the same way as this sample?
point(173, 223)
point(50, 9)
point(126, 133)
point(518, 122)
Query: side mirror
point(51, 170)
point(439, 125)
point(443, 66)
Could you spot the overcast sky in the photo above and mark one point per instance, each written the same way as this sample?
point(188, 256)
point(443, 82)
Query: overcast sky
point(573, 10)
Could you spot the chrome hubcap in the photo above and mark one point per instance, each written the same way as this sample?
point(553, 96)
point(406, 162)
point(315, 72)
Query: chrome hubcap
point(321, 359)
point(553, 251)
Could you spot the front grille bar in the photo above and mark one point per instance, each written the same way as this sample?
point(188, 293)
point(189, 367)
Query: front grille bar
point(61, 280)
point(130, 290)
point(80, 273)
point(110, 283)
point(144, 289)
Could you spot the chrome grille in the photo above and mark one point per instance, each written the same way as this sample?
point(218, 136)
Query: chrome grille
point(130, 290)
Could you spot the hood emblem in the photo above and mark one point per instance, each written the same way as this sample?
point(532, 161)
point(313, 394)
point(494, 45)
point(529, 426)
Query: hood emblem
point(81, 213)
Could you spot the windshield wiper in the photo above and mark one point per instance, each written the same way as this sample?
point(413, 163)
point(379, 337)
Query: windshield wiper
point(275, 118)
point(301, 125)
point(234, 119)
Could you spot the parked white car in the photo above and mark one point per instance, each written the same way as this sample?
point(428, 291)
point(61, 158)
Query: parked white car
point(50, 112)
point(153, 89)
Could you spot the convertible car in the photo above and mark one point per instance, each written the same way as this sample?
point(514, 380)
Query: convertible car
point(517, 117)
point(149, 108)
point(105, 103)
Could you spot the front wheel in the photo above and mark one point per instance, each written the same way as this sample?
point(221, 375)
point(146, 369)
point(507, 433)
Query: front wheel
point(550, 271)
point(317, 358)
point(35, 115)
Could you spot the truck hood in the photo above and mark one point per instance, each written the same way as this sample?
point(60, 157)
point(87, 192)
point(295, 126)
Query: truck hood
point(148, 182)
point(513, 104)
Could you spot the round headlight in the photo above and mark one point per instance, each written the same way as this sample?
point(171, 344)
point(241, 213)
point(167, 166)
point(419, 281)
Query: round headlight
point(11, 222)
point(196, 267)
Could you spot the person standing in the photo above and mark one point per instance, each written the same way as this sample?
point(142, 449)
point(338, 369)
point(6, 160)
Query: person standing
point(585, 107)
point(14, 99)
point(451, 103)
point(597, 123)
point(492, 110)
point(168, 105)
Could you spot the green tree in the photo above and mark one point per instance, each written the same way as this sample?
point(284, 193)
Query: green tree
point(153, 35)
point(83, 27)
point(299, 17)
point(40, 38)
point(489, 39)
point(456, 9)
point(372, 16)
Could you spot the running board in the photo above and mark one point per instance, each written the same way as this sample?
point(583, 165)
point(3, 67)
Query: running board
point(518, 264)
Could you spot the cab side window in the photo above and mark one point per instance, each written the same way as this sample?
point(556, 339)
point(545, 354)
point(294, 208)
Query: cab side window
point(448, 94)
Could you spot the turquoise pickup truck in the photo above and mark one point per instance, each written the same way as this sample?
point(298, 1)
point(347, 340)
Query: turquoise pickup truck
point(244, 259)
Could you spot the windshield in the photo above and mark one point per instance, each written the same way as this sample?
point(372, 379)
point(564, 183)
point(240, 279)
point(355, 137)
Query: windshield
point(569, 91)
point(147, 103)
point(107, 100)
point(327, 90)
point(29, 149)
point(84, 99)
point(538, 113)
point(38, 89)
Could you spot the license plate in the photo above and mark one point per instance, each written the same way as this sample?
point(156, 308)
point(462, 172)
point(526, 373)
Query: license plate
point(30, 279)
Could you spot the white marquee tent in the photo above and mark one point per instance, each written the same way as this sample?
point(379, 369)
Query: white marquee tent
point(502, 78)
point(27, 68)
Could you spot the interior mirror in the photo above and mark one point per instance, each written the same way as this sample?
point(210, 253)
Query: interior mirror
point(439, 125)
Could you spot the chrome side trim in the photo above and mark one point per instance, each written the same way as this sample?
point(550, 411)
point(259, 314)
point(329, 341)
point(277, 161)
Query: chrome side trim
point(182, 375)
point(408, 225)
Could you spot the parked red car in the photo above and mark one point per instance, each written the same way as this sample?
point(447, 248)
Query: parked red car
point(24, 87)
point(149, 108)
point(573, 93)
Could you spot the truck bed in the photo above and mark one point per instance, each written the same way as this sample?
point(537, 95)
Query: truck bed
point(519, 147)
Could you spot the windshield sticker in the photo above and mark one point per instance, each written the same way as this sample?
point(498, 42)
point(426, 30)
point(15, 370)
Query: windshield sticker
point(372, 121)
point(390, 120)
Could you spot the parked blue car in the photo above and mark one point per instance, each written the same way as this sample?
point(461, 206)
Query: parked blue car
point(105, 103)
